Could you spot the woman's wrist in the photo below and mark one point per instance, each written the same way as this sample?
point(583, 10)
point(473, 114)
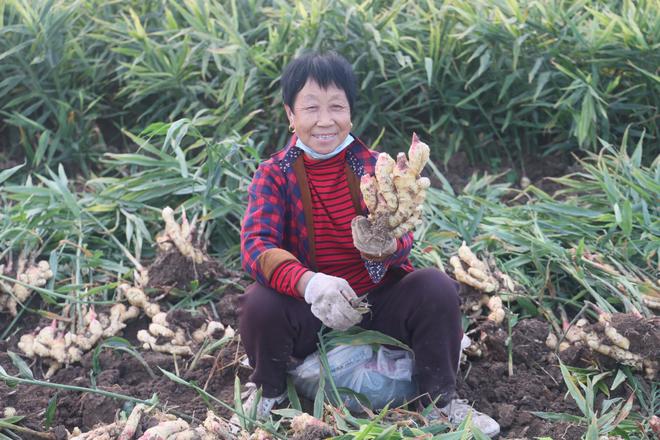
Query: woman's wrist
point(301, 285)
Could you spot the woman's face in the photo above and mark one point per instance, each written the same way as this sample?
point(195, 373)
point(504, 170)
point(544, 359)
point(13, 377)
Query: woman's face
point(321, 117)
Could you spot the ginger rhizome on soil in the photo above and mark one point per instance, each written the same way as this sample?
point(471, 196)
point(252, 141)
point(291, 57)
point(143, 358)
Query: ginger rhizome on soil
point(28, 272)
point(158, 426)
point(166, 333)
point(484, 277)
point(394, 197)
point(306, 427)
point(58, 346)
point(625, 338)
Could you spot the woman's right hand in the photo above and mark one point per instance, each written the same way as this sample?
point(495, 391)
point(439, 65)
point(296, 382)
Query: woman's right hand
point(330, 298)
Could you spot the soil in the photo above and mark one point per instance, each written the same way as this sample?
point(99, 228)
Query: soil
point(535, 385)
point(171, 269)
point(123, 373)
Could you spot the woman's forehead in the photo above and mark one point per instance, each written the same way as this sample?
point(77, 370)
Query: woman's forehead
point(312, 90)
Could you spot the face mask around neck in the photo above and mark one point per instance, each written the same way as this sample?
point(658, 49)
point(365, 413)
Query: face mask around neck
point(314, 155)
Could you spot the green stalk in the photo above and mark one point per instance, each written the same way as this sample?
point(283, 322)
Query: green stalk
point(17, 380)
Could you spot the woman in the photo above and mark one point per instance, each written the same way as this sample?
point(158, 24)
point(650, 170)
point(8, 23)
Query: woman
point(296, 242)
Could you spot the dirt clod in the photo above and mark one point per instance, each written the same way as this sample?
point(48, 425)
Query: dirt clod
point(171, 269)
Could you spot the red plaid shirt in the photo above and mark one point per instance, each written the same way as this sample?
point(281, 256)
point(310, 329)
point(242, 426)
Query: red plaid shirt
point(275, 228)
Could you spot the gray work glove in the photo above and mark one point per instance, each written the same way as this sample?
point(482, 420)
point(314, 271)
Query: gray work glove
point(330, 299)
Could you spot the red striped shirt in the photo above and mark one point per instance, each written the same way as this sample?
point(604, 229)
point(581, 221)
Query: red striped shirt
point(333, 211)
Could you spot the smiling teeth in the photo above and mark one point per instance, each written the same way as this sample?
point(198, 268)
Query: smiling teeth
point(328, 136)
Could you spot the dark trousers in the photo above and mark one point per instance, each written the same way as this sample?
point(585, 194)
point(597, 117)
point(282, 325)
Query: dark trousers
point(420, 308)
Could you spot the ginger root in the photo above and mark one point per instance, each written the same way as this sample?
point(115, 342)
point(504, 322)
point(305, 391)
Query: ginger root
point(132, 422)
point(179, 235)
point(35, 275)
point(305, 426)
point(394, 197)
point(178, 342)
point(164, 336)
point(119, 430)
point(604, 338)
point(477, 275)
point(58, 347)
point(470, 270)
point(167, 428)
point(107, 432)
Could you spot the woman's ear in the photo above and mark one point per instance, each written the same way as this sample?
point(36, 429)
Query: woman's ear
point(289, 113)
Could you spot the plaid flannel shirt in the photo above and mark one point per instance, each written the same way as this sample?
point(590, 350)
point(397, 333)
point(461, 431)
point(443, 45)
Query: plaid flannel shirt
point(275, 228)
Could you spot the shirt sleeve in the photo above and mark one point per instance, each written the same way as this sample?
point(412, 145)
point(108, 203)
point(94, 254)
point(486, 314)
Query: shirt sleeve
point(286, 277)
point(263, 225)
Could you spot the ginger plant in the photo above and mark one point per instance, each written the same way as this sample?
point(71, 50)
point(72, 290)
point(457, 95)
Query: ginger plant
point(394, 197)
point(58, 347)
point(649, 289)
point(164, 334)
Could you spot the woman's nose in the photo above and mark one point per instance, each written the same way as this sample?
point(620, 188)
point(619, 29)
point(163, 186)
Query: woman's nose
point(324, 117)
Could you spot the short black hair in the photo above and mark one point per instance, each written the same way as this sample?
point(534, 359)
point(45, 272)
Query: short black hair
point(325, 69)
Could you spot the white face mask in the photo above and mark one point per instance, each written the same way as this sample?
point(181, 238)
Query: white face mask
point(314, 155)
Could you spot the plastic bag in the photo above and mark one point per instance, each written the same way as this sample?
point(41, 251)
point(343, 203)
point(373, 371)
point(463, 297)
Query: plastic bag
point(384, 376)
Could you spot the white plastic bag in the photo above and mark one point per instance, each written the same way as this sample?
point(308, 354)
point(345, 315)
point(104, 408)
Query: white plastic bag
point(382, 377)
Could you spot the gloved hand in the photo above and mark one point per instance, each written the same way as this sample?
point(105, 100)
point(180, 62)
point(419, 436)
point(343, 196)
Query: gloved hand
point(330, 299)
point(374, 243)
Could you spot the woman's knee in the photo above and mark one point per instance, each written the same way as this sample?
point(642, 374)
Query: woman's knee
point(433, 285)
point(260, 304)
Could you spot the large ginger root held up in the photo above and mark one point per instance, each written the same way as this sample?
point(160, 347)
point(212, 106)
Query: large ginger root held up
point(394, 198)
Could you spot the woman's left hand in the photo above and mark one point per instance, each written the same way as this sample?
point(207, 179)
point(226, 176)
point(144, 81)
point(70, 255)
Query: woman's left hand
point(373, 243)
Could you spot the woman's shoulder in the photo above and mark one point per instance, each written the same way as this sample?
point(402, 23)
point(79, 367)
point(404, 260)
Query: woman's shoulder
point(363, 151)
point(279, 164)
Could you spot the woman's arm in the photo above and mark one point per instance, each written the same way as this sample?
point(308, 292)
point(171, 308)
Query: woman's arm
point(262, 231)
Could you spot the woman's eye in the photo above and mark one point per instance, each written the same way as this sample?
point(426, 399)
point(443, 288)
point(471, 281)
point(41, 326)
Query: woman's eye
point(311, 108)
point(337, 107)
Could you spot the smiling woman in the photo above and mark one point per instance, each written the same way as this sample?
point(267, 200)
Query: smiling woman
point(319, 93)
point(321, 117)
point(297, 242)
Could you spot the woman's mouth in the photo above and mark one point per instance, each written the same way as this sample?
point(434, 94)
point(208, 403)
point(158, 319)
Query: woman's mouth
point(324, 137)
